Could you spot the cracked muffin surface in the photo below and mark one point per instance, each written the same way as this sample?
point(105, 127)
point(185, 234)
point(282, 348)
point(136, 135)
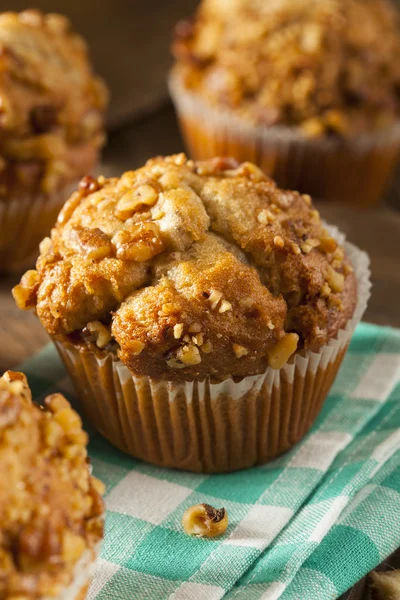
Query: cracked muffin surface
point(52, 105)
point(51, 510)
point(187, 270)
point(326, 66)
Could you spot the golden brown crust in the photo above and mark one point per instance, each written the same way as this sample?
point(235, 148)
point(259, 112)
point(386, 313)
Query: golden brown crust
point(51, 511)
point(191, 269)
point(52, 106)
point(327, 66)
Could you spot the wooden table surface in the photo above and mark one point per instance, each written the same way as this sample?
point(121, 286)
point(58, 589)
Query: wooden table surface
point(378, 232)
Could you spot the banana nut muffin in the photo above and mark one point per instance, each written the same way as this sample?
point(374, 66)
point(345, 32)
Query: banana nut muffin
point(51, 510)
point(51, 104)
point(51, 127)
point(188, 270)
point(326, 66)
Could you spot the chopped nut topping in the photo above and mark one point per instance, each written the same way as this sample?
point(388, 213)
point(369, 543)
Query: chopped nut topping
point(178, 330)
point(214, 298)
point(88, 185)
point(335, 280)
point(338, 257)
point(296, 248)
point(207, 347)
point(239, 350)
point(225, 306)
point(189, 355)
point(136, 347)
point(186, 356)
point(24, 292)
point(279, 242)
point(143, 195)
point(194, 328)
point(139, 243)
point(307, 199)
point(270, 325)
point(203, 520)
point(327, 243)
point(95, 244)
point(283, 350)
point(265, 216)
point(309, 244)
point(101, 333)
point(198, 339)
point(325, 290)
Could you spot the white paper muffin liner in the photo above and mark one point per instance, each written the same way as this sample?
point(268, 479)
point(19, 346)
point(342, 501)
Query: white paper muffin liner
point(212, 427)
point(24, 221)
point(355, 170)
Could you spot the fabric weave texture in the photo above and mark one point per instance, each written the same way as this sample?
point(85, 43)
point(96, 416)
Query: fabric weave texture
point(305, 526)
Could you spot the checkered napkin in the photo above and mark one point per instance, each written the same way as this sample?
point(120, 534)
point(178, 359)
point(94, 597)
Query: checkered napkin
point(306, 526)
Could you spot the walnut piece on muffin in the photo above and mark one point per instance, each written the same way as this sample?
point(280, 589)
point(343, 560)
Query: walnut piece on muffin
point(187, 270)
point(51, 509)
point(325, 66)
point(51, 104)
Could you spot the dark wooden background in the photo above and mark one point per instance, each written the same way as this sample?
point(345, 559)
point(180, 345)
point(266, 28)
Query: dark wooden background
point(129, 42)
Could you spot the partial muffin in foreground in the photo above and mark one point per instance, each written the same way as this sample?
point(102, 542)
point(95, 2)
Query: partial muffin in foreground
point(196, 306)
point(307, 89)
point(51, 510)
point(51, 127)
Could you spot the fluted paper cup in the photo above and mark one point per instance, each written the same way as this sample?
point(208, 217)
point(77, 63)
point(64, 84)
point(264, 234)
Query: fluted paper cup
point(24, 221)
point(354, 171)
point(211, 427)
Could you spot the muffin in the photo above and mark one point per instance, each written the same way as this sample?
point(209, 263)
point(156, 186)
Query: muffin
point(51, 127)
point(51, 510)
point(307, 89)
point(201, 312)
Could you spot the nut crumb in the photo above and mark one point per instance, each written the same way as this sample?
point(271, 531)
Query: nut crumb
point(136, 347)
point(279, 242)
point(178, 330)
point(203, 520)
point(214, 298)
point(239, 350)
point(309, 244)
point(198, 339)
point(265, 216)
point(101, 333)
point(225, 306)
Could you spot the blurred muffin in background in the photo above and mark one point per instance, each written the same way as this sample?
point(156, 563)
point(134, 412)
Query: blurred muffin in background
point(51, 126)
point(51, 510)
point(308, 89)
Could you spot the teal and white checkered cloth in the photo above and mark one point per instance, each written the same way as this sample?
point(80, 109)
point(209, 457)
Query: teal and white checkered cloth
point(306, 526)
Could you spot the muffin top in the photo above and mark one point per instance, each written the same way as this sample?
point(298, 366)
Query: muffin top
point(50, 507)
point(188, 269)
point(51, 104)
point(326, 66)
